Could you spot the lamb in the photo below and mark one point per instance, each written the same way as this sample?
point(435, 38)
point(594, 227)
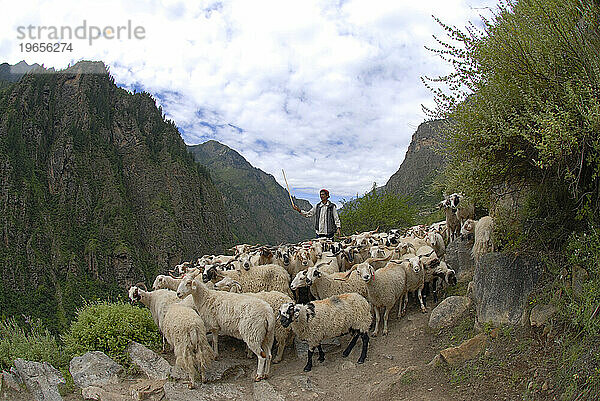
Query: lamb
point(483, 238)
point(436, 272)
point(385, 287)
point(415, 281)
point(275, 299)
point(258, 278)
point(327, 318)
point(237, 315)
point(182, 327)
point(324, 285)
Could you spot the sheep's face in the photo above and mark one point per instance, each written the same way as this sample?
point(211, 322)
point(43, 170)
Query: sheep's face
point(415, 263)
point(365, 271)
point(185, 287)
point(299, 280)
point(451, 277)
point(158, 282)
point(287, 314)
point(312, 274)
point(376, 252)
point(134, 294)
point(210, 272)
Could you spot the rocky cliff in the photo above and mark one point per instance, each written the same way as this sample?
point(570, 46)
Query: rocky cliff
point(258, 208)
point(420, 165)
point(97, 191)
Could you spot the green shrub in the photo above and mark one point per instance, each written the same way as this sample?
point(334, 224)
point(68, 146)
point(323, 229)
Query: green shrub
point(35, 344)
point(376, 209)
point(109, 327)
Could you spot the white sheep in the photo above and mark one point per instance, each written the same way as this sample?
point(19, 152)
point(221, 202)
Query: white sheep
point(236, 315)
point(385, 287)
point(483, 238)
point(182, 327)
point(452, 222)
point(415, 281)
point(275, 299)
point(436, 241)
point(269, 277)
point(324, 285)
point(328, 318)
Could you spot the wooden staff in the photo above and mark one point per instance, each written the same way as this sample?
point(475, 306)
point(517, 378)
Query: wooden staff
point(288, 189)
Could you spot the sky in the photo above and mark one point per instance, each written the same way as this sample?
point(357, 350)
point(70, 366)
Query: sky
point(329, 91)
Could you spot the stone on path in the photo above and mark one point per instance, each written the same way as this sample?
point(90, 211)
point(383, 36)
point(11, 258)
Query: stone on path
point(94, 368)
point(41, 379)
point(447, 313)
point(153, 365)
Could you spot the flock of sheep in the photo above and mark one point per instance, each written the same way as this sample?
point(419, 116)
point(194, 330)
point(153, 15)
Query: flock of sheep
point(314, 290)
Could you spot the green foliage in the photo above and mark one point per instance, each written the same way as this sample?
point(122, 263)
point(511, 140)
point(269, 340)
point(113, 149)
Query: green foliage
point(33, 344)
point(524, 100)
point(373, 209)
point(109, 327)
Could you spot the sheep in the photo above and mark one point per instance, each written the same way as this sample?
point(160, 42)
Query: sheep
point(415, 281)
point(258, 278)
point(436, 272)
point(183, 329)
point(467, 230)
point(324, 285)
point(483, 238)
point(237, 315)
point(331, 317)
point(385, 287)
point(275, 299)
point(452, 222)
point(329, 262)
point(436, 241)
point(464, 210)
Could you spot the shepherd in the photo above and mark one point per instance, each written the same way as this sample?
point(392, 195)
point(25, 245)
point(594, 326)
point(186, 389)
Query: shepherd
point(327, 221)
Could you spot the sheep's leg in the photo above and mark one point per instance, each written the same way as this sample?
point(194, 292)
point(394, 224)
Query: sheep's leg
point(308, 366)
point(321, 354)
point(435, 288)
point(365, 346)
point(260, 369)
point(377, 316)
point(350, 345)
point(423, 308)
point(215, 342)
point(249, 353)
point(385, 320)
point(279, 353)
point(402, 305)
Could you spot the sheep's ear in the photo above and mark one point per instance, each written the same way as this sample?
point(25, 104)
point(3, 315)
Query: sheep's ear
point(310, 310)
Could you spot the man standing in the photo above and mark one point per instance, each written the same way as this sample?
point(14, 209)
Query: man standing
point(327, 221)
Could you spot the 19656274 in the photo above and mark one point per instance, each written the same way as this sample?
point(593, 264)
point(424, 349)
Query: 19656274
point(46, 47)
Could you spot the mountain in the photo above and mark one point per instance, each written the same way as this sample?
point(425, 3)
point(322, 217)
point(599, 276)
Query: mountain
point(97, 191)
point(258, 208)
point(420, 165)
point(12, 73)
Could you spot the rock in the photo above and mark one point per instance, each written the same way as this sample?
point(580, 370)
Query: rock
point(223, 368)
point(146, 389)
point(208, 391)
point(448, 312)
point(501, 286)
point(465, 351)
point(11, 381)
point(578, 278)
point(41, 379)
point(152, 364)
point(92, 393)
point(327, 345)
point(436, 361)
point(94, 368)
point(540, 314)
point(390, 387)
point(458, 257)
point(263, 391)
point(346, 365)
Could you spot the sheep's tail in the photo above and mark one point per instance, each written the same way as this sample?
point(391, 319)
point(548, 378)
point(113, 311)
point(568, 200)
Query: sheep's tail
point(267, 342)
point(204, 352)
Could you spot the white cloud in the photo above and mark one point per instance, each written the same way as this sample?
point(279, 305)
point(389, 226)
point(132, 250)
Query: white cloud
point(330, 91)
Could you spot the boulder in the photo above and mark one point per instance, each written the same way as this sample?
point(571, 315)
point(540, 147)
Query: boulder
point(465, 351)
point(41, 379)
point(152, 364)
point(501, 286)
point(94, 368)
point(263, 391)
point(11, 381)
point(224, 368)
point(448, 312)
point(458, 257)
point(540, 314)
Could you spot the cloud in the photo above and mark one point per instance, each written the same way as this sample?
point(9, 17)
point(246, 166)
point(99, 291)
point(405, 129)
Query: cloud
point(330, 91)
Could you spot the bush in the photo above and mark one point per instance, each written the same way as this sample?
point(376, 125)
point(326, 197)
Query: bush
point(35, 344)
point(372, 210)
point(109, 327)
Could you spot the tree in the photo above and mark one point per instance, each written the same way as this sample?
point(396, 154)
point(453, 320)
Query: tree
point(523, 100)
point(376, 209)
